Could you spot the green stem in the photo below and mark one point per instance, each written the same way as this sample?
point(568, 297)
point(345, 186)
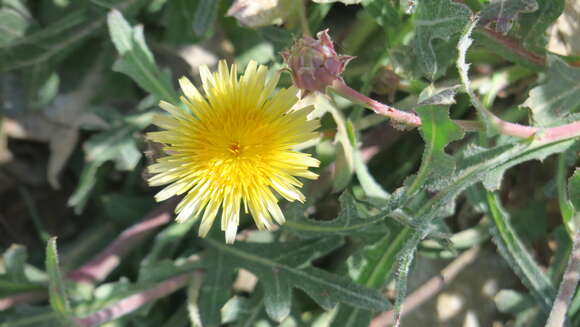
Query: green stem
point(566, 208)
point(303, 19)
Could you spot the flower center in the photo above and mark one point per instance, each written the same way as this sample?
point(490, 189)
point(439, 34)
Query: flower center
point(235, 148)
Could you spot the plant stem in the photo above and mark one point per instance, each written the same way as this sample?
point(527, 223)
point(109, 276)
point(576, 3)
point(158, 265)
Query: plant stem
point(547, 135)
point(340, 87)
point(101, 265)
point(135, 301)
point(303, 19)
point(567, 287)
point(27, 297)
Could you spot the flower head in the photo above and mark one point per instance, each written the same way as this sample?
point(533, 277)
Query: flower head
point(314, 63)
point(233, 149)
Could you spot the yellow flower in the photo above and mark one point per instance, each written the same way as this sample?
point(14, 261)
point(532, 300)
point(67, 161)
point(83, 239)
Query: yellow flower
point(233, 148)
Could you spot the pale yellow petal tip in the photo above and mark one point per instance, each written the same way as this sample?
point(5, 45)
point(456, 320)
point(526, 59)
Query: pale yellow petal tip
point(231, 231)
point(187, 87)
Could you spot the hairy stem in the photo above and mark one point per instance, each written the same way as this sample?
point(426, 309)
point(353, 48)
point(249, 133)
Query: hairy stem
point(567, 287)
point(102, 264)
point(551, 134)
point(135, 301)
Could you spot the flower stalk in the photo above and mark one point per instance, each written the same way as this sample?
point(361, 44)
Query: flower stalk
point(316, 67)
point(547, 135)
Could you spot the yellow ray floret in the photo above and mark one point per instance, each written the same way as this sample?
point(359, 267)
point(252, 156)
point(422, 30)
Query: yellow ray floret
point(233, 148)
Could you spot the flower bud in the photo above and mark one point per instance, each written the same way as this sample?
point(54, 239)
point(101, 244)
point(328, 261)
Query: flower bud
point(314, 63)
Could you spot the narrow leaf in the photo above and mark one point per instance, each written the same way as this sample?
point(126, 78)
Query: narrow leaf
point(372, 267)
point(205, 15)
point(516, 254)
point(56, 286)
point(574, 195)
point(136, 60)
point(14, 261)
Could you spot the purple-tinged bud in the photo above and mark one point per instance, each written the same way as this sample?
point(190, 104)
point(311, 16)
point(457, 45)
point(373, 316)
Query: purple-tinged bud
point(314, 63)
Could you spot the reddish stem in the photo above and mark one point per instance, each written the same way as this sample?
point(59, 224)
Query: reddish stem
point(28, 297)
point(567, 287)
point(516, 47)
point(382, 109)
point(503, 127)
point(135, 301)
point(101, 265)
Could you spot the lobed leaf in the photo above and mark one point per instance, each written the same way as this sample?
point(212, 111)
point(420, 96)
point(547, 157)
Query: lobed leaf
point(555, 101)
point(504, 12)
point(437, 20)
point(348, 222)
point(532, 26)
point(283, 266)
point(437, 131)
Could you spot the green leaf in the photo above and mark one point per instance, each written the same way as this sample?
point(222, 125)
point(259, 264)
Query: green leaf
point(504, 12)
point(213, 294)
point(205, 15)
point(438, 96)
point(574, 195)
point(14, 21)
point(516, 254)
point(48, 43)
point(348, 222)
point(165, 245)
point(346, 2)
point(532, 26)
point(437, 131)
point(30, 316)
point(177, 18)
point(383, 12)
point(344, 167)
point(317, 15)
point(117, 144)
point(369, 185)
point(283, 266)
point(87, 182)
point(136, 60)
point(14, 261)
point(509, 301)
point(404, 261)
point(463, 67)
point(245, 311)
point(56, 286)
point(372, 267)
point(555, 101)
point(476, 164)
point(437, 21)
